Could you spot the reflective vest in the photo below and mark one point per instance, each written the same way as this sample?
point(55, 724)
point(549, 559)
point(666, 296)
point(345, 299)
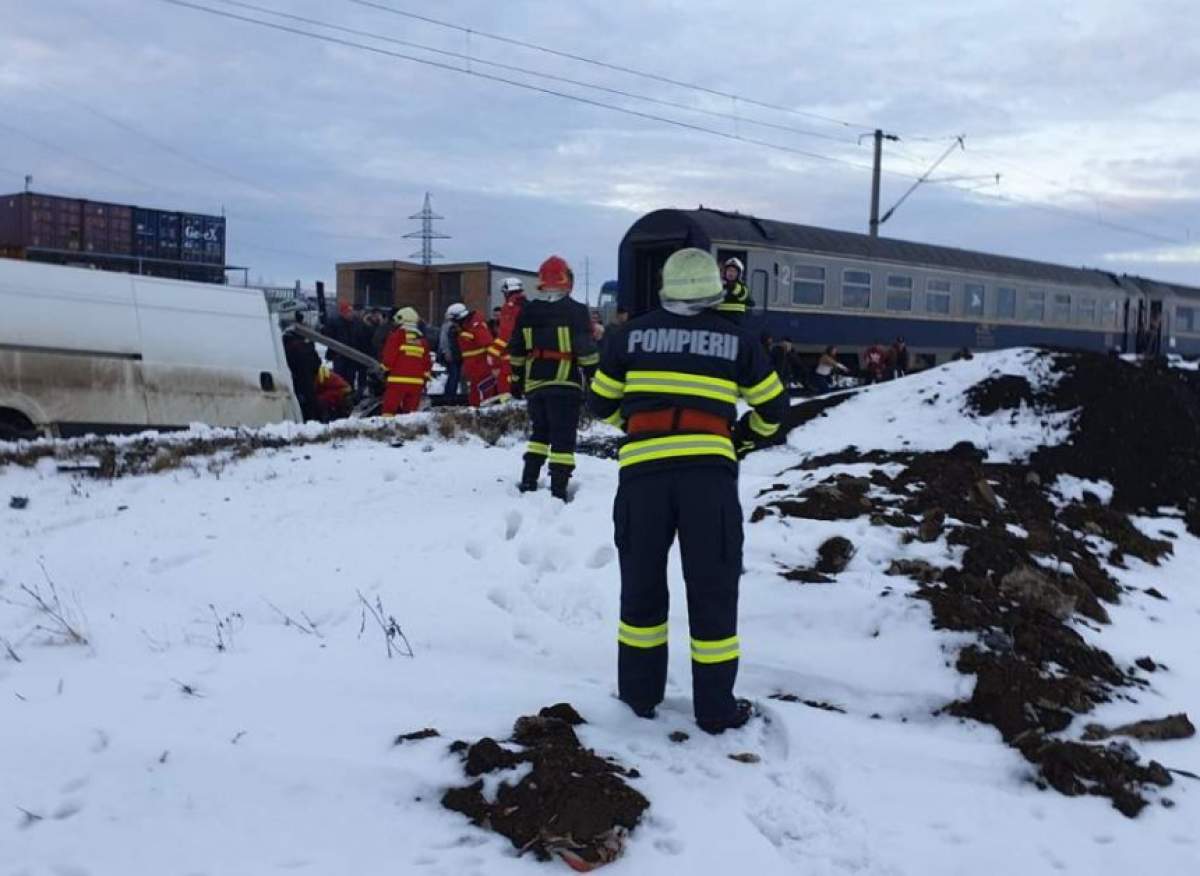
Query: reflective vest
point(737, 299)
point(552, 347)
point(406, 357)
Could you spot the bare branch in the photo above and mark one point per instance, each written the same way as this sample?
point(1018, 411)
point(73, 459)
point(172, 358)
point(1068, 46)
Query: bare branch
point(308, 627)
point(8, 649)
point(390, 627)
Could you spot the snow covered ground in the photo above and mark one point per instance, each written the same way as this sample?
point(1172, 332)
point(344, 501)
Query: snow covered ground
point(198, 732)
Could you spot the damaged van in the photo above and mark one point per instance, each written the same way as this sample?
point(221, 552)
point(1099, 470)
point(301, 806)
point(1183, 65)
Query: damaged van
point(85, 351)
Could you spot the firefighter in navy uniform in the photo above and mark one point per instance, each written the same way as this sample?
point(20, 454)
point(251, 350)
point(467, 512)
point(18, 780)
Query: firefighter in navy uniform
point(552, 354)
point(736, 296)
point(672, 379)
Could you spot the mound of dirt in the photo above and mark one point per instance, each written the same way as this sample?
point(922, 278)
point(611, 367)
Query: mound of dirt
point(1030, 572)
point(571, 803)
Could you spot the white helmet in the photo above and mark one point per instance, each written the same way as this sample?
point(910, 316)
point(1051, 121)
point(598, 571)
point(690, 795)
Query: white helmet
point(512, 285)
point(457, 312)
point(737, 263)
point(690, 282)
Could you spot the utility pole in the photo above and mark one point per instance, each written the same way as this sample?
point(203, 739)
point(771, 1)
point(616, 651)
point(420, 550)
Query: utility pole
point(880, 136)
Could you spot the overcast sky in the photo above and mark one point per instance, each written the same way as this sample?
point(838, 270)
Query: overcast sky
point(318, 153)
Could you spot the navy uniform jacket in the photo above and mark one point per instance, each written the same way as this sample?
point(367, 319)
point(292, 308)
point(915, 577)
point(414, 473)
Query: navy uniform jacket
point(552, 349)
point(704, 363)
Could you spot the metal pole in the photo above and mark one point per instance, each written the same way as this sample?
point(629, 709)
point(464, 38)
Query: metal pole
point(874, 225)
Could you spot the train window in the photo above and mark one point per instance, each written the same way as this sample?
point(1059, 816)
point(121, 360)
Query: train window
point(1006, 302)
point(1035, 305)
point(1108, 318)
point(973, 299)
point(856, 289)
point(808, 285)
point(1087, 311)
point(1061, 309)
point(899, 292)
point(937, 296)
point(1186, 319)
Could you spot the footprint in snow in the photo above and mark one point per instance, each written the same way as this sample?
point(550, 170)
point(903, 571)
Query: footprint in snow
point(474, 549)
point(512, 525)
point(601, 557)
point(526, 555)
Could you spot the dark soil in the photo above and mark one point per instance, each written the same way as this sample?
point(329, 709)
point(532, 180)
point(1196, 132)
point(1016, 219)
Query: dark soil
point(572, 804)
point(834, 555)
point(1023, 595)
point(1156, 730)
point(427, 733)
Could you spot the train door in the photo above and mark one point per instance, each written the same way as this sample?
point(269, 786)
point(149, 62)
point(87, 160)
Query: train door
point(1154, 329)
point(647, 270)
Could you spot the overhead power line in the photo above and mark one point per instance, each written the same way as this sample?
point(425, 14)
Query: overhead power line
point(780, 147)
point(645, 74)
point(1044, 207)
point(553, 77)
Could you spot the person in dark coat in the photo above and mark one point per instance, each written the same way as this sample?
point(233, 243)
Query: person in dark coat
point(303, 363)
point(781, 361)
point(899, 359)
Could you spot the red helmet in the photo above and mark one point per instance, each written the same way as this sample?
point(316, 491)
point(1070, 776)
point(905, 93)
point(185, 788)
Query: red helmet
point(555, 275)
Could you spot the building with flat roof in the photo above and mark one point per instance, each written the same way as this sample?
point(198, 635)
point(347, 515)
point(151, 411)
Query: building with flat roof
point(392, 284)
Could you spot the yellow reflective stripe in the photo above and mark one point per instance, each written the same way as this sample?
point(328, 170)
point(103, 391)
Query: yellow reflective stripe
point(538, 384)
point(562, 459)
point(467, 335)
point(467, 354)
point(537, 448)
point(642, 637)
point(564, 346)
point(675, 446)
point(731, 307)
point(679, 383)
point(499, 342)
point(615, 419)
point(719, 651)
point(527, 334)
point(413, 350)
point(516, 360)
point(763, 391)
point(412, 381)
point(589, 360)
point(605, 387)
point(761, 427)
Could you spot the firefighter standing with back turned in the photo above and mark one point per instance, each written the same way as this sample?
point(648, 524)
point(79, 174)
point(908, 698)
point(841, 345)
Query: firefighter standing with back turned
point(552, 354)
point(672, 379)
point(514, 300)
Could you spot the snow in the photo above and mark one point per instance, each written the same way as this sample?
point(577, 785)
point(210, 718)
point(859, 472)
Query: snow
point(281, 758)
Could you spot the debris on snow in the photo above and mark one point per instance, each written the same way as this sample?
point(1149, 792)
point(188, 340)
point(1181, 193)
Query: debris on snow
point(416, 735)
point(1155, 730)
point(572, 803)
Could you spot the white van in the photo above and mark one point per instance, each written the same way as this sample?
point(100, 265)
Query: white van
point(85, 351)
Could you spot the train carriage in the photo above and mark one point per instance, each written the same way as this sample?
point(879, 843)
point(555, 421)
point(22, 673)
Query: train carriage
point(819, 287)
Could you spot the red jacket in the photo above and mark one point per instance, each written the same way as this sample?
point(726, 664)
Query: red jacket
point(406, 357)
point(509, 313)
point(474, 341)
point(332, 390)
point(876, 359)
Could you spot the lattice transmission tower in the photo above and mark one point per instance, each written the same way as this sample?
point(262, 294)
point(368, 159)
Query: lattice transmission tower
point(427, 235)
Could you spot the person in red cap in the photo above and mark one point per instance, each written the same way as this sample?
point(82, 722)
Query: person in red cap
point(553, 354)
point(514, 300)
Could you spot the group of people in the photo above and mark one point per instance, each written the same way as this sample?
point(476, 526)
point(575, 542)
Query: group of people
point(877, 364)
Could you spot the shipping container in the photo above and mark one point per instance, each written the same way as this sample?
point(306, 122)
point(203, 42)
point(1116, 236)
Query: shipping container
point(116, 237)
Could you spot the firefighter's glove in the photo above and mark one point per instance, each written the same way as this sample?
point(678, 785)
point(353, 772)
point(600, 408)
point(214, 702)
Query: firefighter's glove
point(744, 439)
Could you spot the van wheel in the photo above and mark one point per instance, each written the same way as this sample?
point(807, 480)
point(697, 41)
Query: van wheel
point(15, 426)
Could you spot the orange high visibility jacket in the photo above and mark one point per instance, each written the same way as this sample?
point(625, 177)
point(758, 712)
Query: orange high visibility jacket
point(406, 357)
point(509, 311)
point(475, 341)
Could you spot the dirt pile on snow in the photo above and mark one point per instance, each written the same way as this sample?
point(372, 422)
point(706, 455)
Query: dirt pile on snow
point(1032, 569)
point(1137, 427)
point(570, 802)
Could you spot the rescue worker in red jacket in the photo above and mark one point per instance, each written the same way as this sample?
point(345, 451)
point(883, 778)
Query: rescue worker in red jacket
point(672, 379)
point(479, 367)
point(408, 362)
point(553, 355)
point(335, 397)
point(514, 300)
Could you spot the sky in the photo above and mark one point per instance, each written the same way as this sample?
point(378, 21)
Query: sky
point(319, 152)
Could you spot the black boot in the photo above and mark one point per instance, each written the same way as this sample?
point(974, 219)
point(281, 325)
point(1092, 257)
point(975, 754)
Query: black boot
point(558, 484)
point(529, 477)
point(743, 712)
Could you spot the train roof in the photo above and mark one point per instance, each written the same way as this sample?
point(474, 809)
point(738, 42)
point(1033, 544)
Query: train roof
point(707, 225)
point(1160, 288)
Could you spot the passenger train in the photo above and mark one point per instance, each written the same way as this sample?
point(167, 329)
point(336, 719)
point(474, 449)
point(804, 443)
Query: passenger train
point(821, 287)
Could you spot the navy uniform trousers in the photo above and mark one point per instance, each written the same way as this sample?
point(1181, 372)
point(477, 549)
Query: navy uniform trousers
point(699, 504)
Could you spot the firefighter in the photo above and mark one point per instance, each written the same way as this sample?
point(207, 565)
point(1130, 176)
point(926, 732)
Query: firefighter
point(408, 362)
point(514, 300)
point(553, 354)
point(672, 379)
point(474, 342)
point(736, 296)
point(335, 397)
